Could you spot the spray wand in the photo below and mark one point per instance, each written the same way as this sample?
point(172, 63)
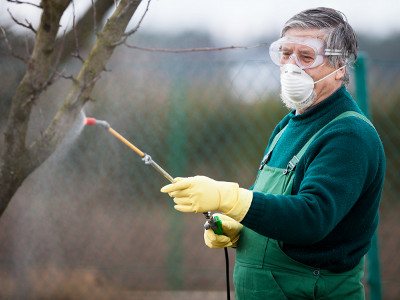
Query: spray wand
point(212, 222)
point(145, 157)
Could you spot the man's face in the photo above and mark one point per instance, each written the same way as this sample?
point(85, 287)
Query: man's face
point(303, 58)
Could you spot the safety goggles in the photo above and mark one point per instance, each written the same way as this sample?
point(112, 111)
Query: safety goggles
point(307, 53)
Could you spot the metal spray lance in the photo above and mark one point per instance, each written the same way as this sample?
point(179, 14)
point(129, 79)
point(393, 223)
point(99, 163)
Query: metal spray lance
point(145, 157)
point(212, 222)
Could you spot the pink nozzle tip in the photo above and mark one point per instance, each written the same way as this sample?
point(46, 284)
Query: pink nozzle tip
point(90, 121)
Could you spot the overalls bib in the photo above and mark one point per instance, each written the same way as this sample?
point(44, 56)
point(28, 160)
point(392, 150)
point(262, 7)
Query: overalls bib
point(264, 271)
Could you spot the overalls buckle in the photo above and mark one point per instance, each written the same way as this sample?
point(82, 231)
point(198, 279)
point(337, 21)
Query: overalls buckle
point(291, 165)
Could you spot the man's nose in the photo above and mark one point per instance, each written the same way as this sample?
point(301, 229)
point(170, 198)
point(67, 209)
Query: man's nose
point(292, 60)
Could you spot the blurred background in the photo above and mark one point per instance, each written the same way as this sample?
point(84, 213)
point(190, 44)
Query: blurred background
point(90, 223)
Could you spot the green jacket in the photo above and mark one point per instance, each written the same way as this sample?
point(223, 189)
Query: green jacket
point(329, 219)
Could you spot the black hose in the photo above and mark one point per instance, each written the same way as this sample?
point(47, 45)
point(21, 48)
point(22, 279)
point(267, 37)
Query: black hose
point(228, 289)
point(211, 224)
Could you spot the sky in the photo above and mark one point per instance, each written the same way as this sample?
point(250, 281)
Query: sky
point(236, 21)
point(244, 19)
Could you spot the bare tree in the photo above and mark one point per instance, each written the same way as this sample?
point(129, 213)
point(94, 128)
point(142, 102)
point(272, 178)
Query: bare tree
point(19, 159)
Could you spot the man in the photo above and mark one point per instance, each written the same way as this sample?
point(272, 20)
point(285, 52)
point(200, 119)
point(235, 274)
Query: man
point(303, 229)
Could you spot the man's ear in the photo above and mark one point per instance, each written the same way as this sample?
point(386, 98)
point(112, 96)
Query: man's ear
point(339, 74)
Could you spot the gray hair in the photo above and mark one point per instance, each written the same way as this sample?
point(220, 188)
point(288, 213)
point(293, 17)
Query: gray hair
point(338, 34)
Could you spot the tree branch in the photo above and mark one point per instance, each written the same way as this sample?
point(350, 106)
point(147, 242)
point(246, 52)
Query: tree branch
point(77, 54)
point(24, 2)
point(194, 49)
point(9, 47)
point(28, 26)
point(140, 21)
point(129, 33)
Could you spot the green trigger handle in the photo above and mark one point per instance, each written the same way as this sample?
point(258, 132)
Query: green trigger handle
point(213, 223)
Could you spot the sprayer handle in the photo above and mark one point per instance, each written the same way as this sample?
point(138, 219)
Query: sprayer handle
point(215, 224)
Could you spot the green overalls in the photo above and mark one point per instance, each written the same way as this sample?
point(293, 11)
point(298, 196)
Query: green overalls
point(264, 271)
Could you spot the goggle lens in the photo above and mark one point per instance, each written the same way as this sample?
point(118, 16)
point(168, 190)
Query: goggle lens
point(306, 54)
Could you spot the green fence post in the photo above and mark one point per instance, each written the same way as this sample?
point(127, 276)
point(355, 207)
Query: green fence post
point(374, 278)
point(176, 162)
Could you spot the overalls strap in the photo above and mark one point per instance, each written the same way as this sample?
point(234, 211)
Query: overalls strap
point(272, 146)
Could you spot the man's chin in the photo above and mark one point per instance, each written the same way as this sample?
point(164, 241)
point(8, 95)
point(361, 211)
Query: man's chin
point(299, 106)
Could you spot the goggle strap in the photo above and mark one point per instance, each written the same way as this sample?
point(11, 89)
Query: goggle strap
point(333, 52)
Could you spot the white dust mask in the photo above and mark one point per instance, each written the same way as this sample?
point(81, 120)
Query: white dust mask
point(297, 87)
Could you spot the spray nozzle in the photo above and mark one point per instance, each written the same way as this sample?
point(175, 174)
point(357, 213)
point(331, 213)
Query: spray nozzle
point(93, 121)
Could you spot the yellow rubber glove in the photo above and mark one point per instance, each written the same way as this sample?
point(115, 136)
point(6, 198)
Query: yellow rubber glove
point(231, 235)
point(202, 194)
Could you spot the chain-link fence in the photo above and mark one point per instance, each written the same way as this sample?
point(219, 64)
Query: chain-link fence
point(91, 222)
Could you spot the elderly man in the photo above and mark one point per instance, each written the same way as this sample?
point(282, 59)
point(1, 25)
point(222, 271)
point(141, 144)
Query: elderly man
point(303, 229)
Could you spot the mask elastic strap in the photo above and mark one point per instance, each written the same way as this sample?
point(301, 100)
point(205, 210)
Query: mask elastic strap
point(329, 74)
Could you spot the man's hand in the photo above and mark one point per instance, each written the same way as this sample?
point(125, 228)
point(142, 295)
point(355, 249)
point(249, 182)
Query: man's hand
point(202, 194)
point(231, 229)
